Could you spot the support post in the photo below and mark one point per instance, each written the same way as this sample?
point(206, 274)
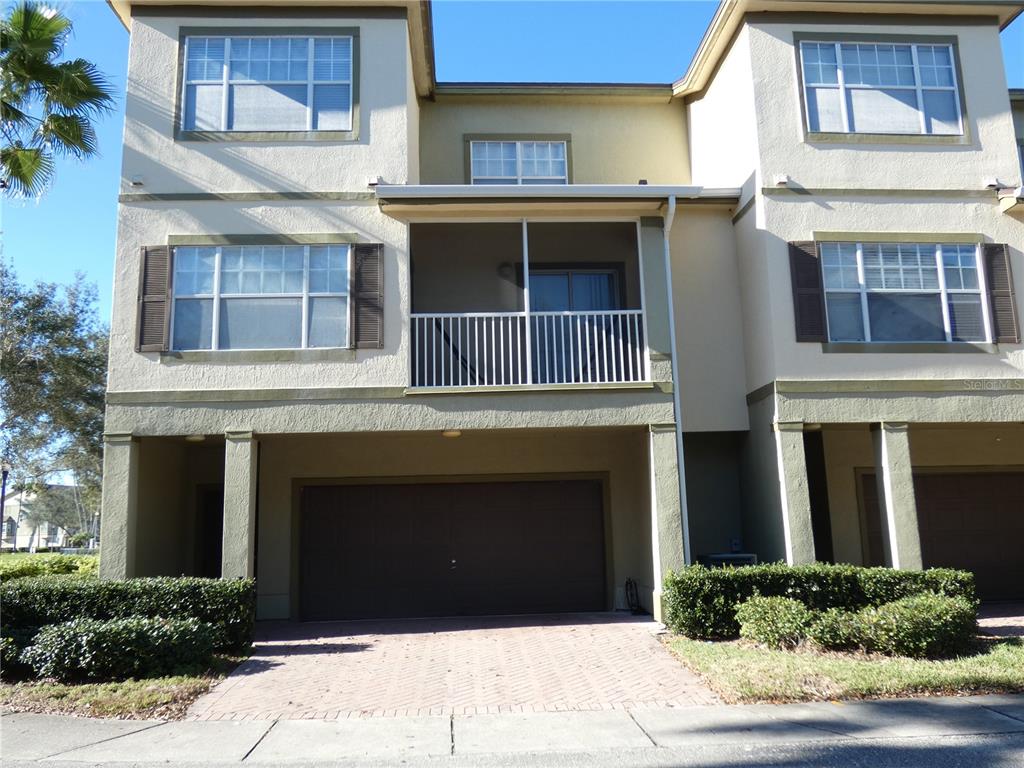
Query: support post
point(240, 486)
point(794, 495)
point(668, 552)
point(897, 505)
point(119, 506)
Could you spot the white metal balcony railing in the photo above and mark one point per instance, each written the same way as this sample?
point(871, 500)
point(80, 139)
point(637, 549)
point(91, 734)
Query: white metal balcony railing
point(476, 349)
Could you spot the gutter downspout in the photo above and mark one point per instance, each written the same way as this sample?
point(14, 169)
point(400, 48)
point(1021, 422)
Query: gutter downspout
point(670, 215)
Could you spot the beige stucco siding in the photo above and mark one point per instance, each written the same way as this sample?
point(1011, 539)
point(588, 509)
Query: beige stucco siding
point(797, 217)
point(614, 141)
point(619, 456)
point(166, 165)
point(153, 223)
point(849, 449)
point(709, 320)
point(988, 151)
point(723, 124)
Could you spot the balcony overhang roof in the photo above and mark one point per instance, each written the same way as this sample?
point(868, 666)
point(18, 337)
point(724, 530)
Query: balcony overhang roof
point(411, 200)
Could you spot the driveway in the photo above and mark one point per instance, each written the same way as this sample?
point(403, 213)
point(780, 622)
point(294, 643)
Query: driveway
point(552, 663)
point(1002, 619)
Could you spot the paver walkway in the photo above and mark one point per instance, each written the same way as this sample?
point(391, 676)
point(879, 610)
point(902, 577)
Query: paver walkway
point(453, 666)
point(1002, 619)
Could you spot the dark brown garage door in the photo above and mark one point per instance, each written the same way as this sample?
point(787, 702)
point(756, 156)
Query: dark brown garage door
point(969, 520)
point(447, 549)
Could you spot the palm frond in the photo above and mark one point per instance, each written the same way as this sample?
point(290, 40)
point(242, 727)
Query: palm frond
point(33, 31)
point(77, 85)
point(67, 135)
point(26, 170)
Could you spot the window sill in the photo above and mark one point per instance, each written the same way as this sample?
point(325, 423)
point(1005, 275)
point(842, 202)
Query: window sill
point(266, 136)
point(909, 347)
point(817, 137)
point(261, 356)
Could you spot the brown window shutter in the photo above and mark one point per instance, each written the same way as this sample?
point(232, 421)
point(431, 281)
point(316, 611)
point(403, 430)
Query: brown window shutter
point(368, 312)
point(154, 315)
point(808, 292)
point(999, 278)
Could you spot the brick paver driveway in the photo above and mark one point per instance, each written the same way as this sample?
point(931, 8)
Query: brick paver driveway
point(453, 666)
point(1002, 619)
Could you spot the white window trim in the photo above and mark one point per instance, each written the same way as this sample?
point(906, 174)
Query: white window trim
point(225, 82)
point(942, 291)
point(305, 295)
point(519, 178)
point(918, 87)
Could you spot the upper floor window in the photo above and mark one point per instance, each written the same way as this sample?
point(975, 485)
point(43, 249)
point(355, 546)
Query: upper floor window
point(282, 83)
point(519, 162)
point(260, 297)
point(904, 292)
point(898, 88)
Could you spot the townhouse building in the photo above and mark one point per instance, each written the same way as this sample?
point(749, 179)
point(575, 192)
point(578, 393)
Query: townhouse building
point(397, 347)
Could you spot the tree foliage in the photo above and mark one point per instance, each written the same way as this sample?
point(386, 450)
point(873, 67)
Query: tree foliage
point(46, 106)
point(53, 363)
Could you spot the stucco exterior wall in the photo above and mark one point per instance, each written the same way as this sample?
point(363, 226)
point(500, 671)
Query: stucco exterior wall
point(849, 449)
point(620, 456)
point(723, 123)
point(797, 217)
point(988, 149)
point(166, 165)
point(614, 141)
point(709, 320)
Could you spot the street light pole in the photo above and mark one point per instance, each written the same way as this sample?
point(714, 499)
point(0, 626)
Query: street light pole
point(5, 469)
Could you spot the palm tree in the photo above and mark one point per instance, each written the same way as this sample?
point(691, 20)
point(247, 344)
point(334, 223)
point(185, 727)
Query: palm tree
point(45, 105)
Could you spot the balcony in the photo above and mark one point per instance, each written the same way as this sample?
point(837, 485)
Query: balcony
point(527, 303)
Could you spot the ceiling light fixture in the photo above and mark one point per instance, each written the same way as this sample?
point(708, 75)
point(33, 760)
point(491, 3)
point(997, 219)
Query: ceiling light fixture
point(452, 433)
point(195, 438)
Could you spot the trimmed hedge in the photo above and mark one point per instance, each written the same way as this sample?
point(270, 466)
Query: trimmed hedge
point(777, 622)
point(47, 565)
point(701, 602)
point(838, 630)
point(91, 649)
point(920, 626)
point(29, 604)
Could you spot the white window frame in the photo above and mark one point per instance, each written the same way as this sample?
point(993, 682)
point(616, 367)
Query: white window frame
point(519, 178)
point(225, 82)
point(844, 88)
point(942, 291)
point(217, 296)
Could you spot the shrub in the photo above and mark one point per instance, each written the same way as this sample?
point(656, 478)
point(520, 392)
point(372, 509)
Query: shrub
point(837, 630)
point(92, 649)
point(701, 602)
point(26, 566)
point(777, 622)
point(925, 625)
point(29, 604)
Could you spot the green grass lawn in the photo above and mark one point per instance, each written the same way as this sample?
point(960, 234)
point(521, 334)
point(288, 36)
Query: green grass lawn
point(740, 672)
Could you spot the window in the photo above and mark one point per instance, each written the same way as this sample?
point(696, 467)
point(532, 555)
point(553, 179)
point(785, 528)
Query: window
point(519, 162)
point(881, 88)
point(260, 297)
point(268, 84)
point(904, 292)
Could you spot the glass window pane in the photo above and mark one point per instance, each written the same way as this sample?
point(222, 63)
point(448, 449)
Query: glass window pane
point(940, 112)
point(267, 107)
point(883, 111)
point(332, 58)
point(328, 322)
point(203, 107)
point(332, 108)
point(905, 317)
point(966, 321)
point(549, 292)
point(260, 323)
point(193, 324)
point(824, 110)
point(845, 318)
point(594, 291)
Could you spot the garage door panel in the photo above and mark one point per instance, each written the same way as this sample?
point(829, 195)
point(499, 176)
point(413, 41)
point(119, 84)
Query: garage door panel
point(447, 549)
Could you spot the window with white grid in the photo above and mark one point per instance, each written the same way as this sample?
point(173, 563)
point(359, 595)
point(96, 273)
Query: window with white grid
point(260, 297)
point(519, 162)
point(896, 292)
point(902, 88)
point(267, 84)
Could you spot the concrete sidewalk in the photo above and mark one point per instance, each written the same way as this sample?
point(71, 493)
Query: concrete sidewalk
point(980, 730)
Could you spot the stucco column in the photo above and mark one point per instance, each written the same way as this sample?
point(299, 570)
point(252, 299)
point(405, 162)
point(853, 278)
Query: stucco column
point(667, 550)
point(897, 506)
point(119, 506)
point(794, 494)
point(238, 554)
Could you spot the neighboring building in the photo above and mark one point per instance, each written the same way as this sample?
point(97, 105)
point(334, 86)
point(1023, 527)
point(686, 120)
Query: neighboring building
point(397, 347)
point(21, 532)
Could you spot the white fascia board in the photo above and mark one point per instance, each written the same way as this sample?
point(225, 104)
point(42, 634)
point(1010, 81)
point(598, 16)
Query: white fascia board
point(551, 192)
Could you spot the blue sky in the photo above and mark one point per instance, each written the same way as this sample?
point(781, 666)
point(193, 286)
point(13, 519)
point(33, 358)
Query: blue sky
point(73, 228)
